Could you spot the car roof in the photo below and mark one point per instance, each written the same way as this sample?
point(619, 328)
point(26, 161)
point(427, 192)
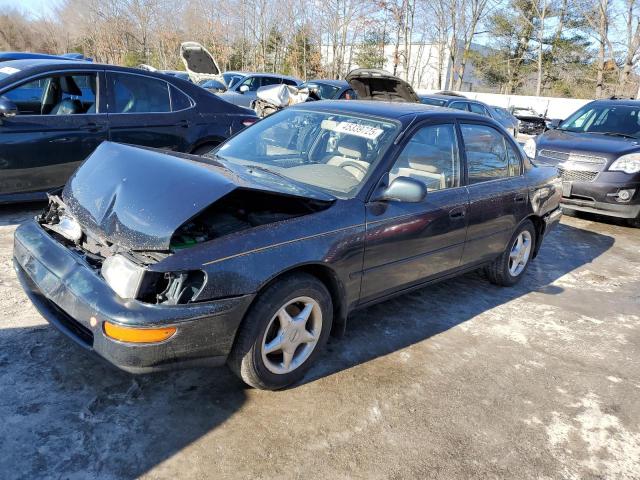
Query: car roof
point(618, 101)
point(390, 110)
point(334, 83)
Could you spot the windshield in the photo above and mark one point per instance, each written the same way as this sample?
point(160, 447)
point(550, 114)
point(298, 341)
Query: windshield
point(605, 119)
point(323, 150)
point(325, 92)
point(433, 101)
point(231, 78)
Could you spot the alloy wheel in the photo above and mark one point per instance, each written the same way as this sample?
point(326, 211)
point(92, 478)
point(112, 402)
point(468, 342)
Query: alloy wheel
point(520, 253)
point(292, 335)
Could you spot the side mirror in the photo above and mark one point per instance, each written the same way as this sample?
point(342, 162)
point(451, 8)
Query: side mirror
point(7, 108)
point(554, 123)
point(403, 189)
point(243, 88)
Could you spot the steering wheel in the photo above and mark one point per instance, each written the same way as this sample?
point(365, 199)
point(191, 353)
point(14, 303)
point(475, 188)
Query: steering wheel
point(356, 165)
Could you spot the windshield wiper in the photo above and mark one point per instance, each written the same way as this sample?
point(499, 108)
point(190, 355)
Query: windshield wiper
point(616, 134)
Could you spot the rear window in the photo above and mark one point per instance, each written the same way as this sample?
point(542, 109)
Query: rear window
point(432, 101)
point(139, 94)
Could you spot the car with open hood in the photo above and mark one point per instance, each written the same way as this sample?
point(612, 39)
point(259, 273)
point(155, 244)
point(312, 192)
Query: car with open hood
point(254, 254)
point(531, 122)
point(597, 152)
point(380, 85)
point(54, 113)
point(199, 63)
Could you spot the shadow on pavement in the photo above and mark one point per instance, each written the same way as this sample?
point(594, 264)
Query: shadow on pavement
point(65, 414)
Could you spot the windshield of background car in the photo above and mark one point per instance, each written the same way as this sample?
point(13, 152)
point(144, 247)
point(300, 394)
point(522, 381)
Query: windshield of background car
point(620, 119)
point(433, 101)
point(325, 92)
point(324, 150)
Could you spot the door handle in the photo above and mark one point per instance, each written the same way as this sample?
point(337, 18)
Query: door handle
point(520, 198)
point(184, 124)
point(458, 212)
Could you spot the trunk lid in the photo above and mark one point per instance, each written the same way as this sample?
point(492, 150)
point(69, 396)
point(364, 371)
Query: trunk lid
point(138, 197)
point(373, 84)
point(199, 62)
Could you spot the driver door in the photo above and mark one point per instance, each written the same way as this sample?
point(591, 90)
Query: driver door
point(409, 243)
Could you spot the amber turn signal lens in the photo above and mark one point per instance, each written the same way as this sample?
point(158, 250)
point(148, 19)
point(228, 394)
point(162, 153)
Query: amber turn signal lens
point(137, 335)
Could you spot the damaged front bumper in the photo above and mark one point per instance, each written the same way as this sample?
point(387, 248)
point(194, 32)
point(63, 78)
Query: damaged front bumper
point(75, 299)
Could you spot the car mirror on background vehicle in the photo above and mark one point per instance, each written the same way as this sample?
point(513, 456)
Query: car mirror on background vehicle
point(403, 189)
point(553, 123)
point(243, 89)
point(7, 108)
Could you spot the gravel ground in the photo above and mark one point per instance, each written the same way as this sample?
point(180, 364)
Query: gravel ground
point(460, 380)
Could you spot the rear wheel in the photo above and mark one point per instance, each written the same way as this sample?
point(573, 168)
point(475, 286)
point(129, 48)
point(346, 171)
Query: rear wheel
point(509, 268)
point(283, 333)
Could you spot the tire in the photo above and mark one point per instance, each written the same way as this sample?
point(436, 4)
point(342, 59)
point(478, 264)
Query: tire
point(265, 327)
point(204, 149)
point(503, 271)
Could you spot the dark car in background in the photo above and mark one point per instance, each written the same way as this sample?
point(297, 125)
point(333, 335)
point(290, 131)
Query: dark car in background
point(243, 92)
point(330, 89)
point(459, 102)
point(531, 122)
point(597, 152)
point(54, 113)
point(504, 118)
point(255, 254)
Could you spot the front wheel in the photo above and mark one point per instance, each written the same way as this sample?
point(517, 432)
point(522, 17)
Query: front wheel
point(510, 266)
point(283, 333)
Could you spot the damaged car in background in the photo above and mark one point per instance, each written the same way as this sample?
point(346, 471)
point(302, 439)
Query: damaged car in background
point(252, 255)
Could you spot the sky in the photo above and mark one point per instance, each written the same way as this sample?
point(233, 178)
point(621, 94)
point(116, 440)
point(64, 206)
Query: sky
point(35, 8)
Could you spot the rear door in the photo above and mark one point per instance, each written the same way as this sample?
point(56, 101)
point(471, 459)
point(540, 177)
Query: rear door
point(147, 111)
point(498, 190)
point(408, 243)
point(61, 120)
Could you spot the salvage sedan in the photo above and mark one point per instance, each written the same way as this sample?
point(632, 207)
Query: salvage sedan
point(254, 255)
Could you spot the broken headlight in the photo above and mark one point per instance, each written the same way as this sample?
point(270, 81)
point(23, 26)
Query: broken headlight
point(122, 275)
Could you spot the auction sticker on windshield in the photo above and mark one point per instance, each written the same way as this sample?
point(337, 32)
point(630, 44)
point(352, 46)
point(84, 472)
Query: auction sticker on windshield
point(364, 131)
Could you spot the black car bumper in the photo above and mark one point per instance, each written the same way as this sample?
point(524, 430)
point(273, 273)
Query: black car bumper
point(75, 299)
point(601, 196)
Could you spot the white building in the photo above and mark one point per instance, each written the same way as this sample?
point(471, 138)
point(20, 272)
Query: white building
point(429, 67)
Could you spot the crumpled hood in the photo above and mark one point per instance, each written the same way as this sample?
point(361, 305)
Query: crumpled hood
point(373, 84)
point(137, 197)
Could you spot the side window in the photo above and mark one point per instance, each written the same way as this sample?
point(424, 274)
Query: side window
point(56, 95)
point(252, 82)
point(139, 94)
point(459, 105)
point(487, 153)
point(349, 94)
point(270, 81)
point(179, 101)
point(477, 108)
point(432, 157)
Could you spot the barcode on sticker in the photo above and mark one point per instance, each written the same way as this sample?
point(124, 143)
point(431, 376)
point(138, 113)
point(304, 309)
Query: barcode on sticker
point(364, 131)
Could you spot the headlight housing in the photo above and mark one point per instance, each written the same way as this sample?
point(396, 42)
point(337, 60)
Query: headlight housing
point(627, 163)
point(123, 276)
point(530, 148)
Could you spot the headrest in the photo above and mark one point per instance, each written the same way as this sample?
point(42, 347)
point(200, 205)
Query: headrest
point(352, 146)
point(69, 86)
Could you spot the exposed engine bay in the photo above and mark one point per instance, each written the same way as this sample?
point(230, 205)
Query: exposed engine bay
point(239, 210)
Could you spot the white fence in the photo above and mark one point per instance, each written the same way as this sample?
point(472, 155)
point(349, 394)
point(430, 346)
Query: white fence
point(552, 107)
